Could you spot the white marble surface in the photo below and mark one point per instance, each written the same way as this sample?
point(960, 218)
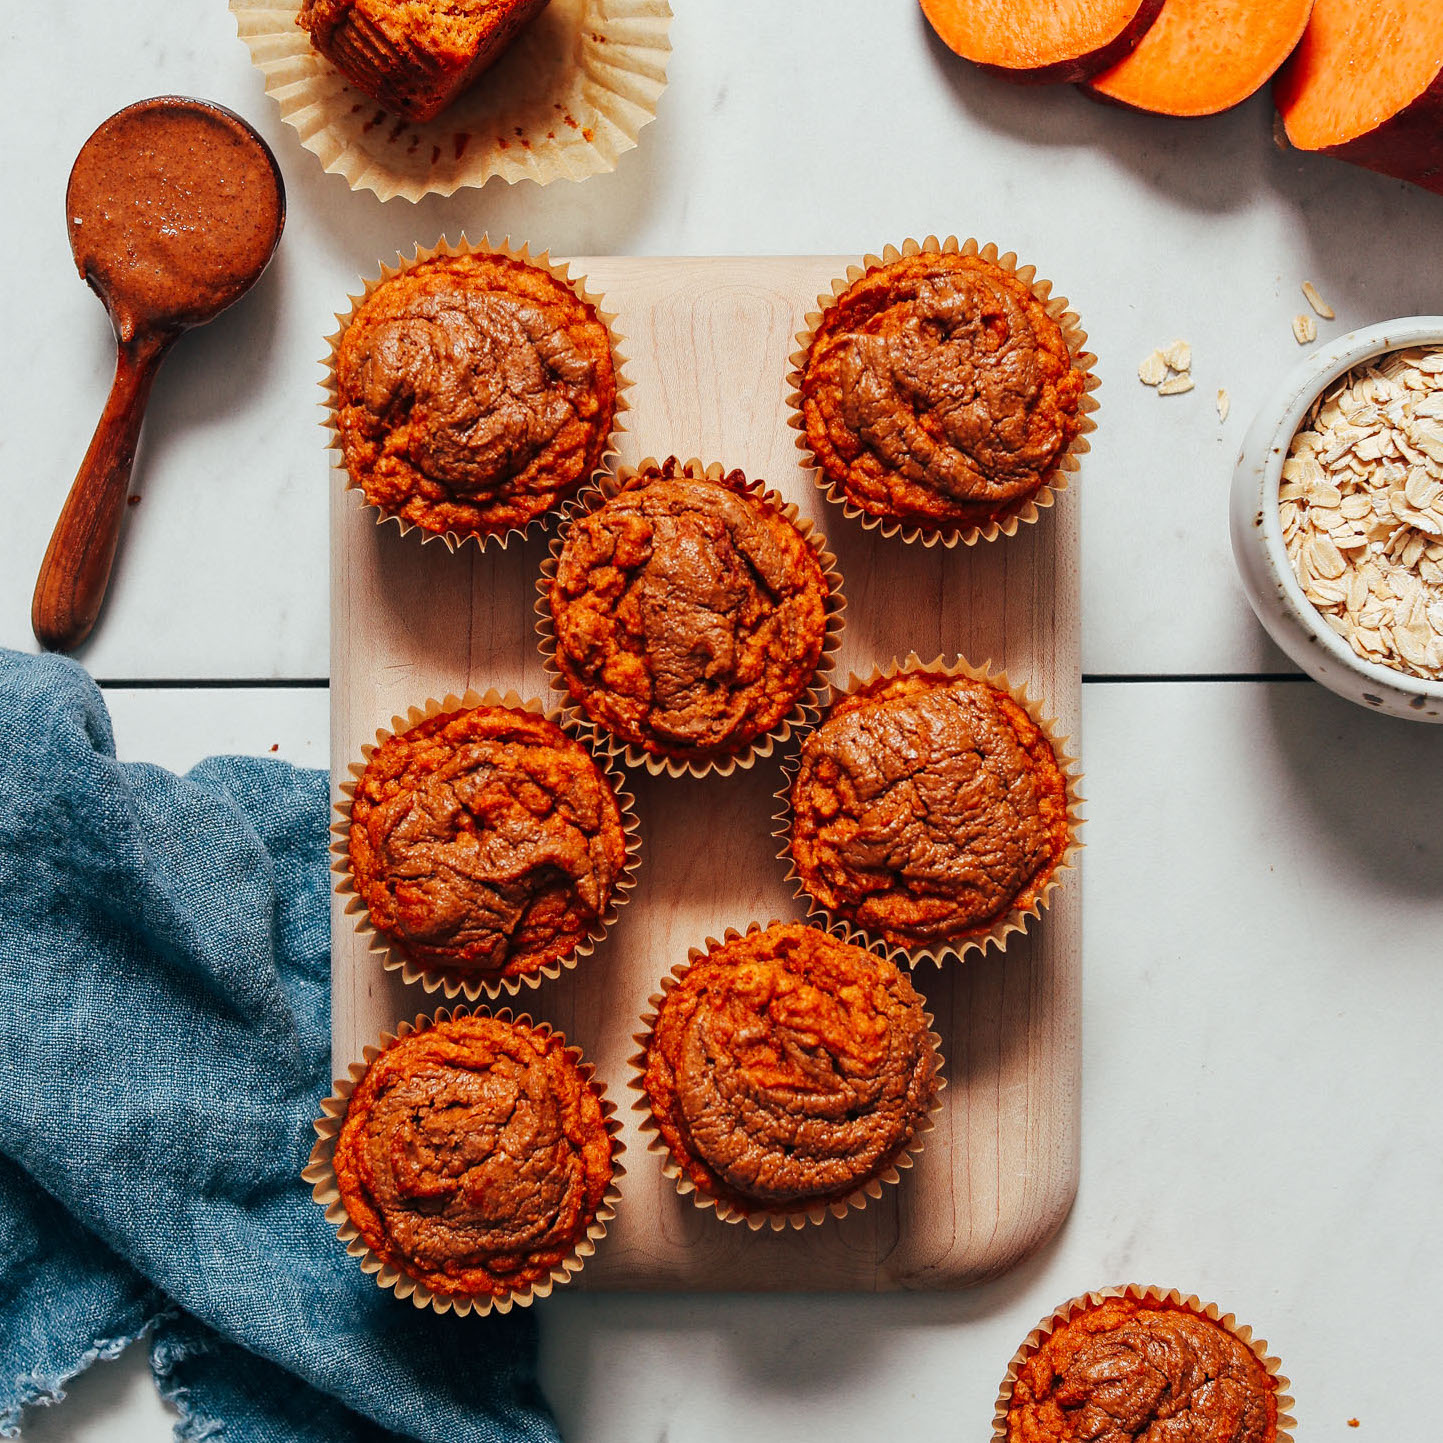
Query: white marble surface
point(1264, 885)
point(812, 126)
point(1264, 889)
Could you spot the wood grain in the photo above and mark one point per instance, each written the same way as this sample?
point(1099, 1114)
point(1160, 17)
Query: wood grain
point(708, 342)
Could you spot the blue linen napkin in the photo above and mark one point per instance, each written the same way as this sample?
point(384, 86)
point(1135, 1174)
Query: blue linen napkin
point(164, 1047)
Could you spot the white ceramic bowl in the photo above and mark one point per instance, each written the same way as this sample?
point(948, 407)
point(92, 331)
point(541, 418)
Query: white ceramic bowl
point(1257, 529)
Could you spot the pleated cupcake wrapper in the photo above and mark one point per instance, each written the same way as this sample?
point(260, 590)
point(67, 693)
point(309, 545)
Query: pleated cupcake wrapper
point(1016, 920)
point(543, 262)
point(758, 1218)
point(1024, 512)
point(806, 708)
point(458, 983)
point(1171, 1298)
point(320, 1172)
point(570, 94)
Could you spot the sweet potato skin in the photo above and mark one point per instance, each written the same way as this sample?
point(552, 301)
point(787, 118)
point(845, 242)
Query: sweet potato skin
point(1063, 72)
point(1407, 146)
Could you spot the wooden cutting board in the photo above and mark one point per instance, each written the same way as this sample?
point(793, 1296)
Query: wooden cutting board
point(708, 342)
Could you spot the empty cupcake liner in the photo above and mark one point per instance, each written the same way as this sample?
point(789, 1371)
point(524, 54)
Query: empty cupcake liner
point(1170, 1298)
point(457, 983)
point(1026, 511)
point(570, 94)
point(1015, 921)
point(758, 1218)
point(320, 1172)
point(805, 709)
point(543, 262)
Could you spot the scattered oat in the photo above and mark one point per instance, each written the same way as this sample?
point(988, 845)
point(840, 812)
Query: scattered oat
point(1318, 303)
point(1361, 507)
point(1153, 371)
point(1224, 405)
point(1176, 386)
point(1178, 356)
point(1305, 328)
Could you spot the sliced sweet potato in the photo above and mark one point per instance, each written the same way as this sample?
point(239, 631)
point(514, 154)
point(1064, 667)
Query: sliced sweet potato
point(1203, 56)
point(1039, 42)
point(1366, 85)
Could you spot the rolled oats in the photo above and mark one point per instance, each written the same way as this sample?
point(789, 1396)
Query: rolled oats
point(1361, 507)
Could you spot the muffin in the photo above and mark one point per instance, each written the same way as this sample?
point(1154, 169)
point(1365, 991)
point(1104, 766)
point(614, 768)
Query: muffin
point(485, 843)
point(928, 808)
point(787, 1072)
point(1140, 1365)
point(939, 392)
point(473, 393)
point(414, 59)
point(475, 1157)
point(689, 612)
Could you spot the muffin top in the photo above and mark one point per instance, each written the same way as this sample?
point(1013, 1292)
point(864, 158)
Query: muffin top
point(1125, 1371)
point(938, 391)
point(788, 1068)
point(474, 393)
point(474, 1156)
point(926, 808)
point(485, 841)
point(690, 614)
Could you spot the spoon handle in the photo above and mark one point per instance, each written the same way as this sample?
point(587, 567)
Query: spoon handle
point(76, 569)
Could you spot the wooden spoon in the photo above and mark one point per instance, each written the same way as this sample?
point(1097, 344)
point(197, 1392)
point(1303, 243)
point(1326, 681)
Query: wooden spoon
point(175, 206)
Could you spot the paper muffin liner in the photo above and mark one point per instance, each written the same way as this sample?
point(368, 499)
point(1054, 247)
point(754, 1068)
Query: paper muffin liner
point(456, 983)
point(807, 705)
point(570, 94)
point(1015, 921)
point(1171, 1298)
point(560, 270)
point(758, 1218)
point(320, 1172)
point(1024, 512)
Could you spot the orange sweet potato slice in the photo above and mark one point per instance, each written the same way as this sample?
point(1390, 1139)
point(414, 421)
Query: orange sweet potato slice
point(1366, 85)
point(1203, 56)
point(1042, 41)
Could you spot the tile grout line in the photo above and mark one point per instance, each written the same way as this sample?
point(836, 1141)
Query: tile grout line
point(321, 683)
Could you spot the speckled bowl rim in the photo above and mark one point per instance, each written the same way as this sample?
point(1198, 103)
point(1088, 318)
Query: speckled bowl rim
point(1170, 1298)
point(389, 954)
point(805, 709)
point(320, 1172)
point(330, 383)
point(759, 1218)
point(1024, 512)
point(1014, 922)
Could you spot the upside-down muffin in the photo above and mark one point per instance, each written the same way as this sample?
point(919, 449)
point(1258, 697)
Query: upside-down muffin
point(1129, 1370)
point(938, 392)
point(485, 842)
point(414, 58)
point(474, 393)
point(690, 614)
point(475, 1156)
point(926, 808)
point(787, 1069)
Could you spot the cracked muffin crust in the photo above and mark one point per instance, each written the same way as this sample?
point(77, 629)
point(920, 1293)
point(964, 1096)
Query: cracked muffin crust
point(927, 808)
point(787, 1069)
point(475, 1156)
point(1142, 1371)
point(415, 59)
point(485, 842)
point(473, 394)
point(690, 615)
point(937, 391)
